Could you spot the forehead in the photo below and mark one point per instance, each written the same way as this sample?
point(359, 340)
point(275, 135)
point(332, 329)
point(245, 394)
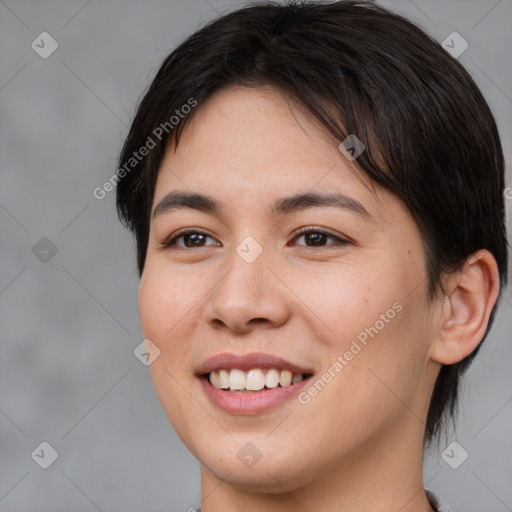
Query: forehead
point(236, 123)
point(253, 144)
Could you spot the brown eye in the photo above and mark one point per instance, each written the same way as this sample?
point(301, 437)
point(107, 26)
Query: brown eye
point(191, 238)
point(317, 238)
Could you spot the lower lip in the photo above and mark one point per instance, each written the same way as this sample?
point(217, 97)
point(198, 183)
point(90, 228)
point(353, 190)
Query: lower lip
point(251, 403)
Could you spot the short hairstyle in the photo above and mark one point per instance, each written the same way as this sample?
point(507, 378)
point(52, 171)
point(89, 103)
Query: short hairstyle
point(430, 137)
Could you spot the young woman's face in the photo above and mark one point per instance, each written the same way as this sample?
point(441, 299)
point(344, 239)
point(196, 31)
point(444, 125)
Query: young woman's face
point(346, 302)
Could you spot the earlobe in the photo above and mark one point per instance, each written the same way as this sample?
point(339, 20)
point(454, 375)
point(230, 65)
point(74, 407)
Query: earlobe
point(470, 294)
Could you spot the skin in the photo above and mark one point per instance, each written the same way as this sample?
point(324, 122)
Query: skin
point(357, 445)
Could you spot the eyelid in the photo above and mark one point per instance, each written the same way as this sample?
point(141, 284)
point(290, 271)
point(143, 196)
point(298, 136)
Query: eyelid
point(170, 241)
point(340, 240)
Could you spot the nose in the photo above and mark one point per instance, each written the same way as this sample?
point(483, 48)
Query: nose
point(249, 295)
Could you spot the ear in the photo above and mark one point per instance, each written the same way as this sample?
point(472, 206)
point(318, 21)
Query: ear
point(467, 302)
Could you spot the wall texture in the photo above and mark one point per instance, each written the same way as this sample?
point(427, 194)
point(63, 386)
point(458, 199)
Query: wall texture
point(68, 286)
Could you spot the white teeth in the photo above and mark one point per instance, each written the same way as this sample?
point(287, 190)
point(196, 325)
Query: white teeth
point(223, 379)
point(215, 379)
point(253, 380)
point(272, 378)
point(236, 379)
point(285, 379)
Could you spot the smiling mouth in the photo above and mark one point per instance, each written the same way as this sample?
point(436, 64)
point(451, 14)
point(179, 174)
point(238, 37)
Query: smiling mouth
point(253, 381)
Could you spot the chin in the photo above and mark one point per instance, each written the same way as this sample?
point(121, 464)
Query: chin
point(272, 473)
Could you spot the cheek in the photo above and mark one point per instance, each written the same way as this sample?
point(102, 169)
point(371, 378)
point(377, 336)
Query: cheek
point(347, 300)
point(166, 309)
point(378, 326)
point(389, 369)
point(369, 386)
point(163, 306)
point(165, 298)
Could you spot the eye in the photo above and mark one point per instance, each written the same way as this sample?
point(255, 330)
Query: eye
point(191, 238)
point(317, 237)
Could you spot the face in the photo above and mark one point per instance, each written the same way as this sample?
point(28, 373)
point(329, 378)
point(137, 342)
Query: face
point(345, 301)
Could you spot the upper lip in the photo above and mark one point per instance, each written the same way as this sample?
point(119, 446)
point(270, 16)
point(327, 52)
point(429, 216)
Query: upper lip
point(227, 361)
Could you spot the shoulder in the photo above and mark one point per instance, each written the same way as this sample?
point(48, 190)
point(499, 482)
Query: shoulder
point(434, 499)
point(437, 503)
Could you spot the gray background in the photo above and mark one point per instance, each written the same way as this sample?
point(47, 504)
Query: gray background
point(69, 325)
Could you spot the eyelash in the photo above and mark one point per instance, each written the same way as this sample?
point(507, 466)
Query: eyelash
point(171, 242)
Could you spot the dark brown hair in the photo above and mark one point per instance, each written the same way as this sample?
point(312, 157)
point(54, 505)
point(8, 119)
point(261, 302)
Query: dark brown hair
point(358, 68)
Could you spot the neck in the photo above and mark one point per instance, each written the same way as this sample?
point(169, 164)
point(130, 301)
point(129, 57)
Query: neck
point(384, 474)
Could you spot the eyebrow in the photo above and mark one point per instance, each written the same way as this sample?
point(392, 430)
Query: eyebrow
point(282, 206)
